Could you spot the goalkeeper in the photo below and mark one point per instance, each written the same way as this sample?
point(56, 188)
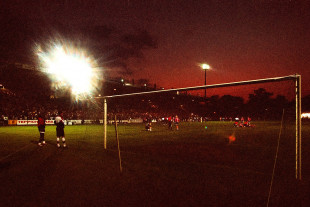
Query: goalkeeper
point(60, 132)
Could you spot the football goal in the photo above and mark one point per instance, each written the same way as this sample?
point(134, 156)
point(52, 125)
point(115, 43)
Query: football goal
point(236, 113)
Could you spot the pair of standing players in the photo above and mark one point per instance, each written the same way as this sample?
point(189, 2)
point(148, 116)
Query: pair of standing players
point(60, 133)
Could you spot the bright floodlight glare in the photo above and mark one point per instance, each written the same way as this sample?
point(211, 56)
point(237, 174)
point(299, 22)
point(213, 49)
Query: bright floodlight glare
point(205, 66)
point(70, 66)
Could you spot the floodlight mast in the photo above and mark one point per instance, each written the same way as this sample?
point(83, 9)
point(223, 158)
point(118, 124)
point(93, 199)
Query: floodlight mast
point(295, 77)
point(205, 67)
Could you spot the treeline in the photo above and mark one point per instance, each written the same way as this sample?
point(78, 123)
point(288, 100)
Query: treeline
point(261, 105)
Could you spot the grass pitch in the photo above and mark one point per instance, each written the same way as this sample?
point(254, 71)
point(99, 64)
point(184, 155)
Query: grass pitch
point(195, 166)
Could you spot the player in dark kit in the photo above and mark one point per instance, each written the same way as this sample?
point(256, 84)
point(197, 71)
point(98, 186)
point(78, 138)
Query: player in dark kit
point(60, 132)
point(170, 122)
point(41, 127)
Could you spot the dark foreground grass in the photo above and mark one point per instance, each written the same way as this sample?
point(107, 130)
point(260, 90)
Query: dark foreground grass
point(190, 167)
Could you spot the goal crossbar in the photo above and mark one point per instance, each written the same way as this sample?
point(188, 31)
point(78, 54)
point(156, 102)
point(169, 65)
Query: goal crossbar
point(220, 85)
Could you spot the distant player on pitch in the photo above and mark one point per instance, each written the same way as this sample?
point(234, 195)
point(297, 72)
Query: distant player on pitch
point(176, 122)
point(60, 132)
point(170, 122)
point(41, 127)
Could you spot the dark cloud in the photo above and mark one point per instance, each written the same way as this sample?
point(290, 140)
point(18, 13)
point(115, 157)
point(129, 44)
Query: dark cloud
point(111, 46)
point(131, 46)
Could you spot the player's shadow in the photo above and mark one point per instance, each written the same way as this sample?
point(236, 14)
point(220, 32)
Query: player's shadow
point(35, 142)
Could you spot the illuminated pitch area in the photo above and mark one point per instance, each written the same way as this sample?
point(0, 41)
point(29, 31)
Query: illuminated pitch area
point(70, 67)
point(187, 164)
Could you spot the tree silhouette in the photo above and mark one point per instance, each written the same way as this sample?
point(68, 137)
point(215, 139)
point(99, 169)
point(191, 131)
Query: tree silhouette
point(260, 103)
point(230, 106)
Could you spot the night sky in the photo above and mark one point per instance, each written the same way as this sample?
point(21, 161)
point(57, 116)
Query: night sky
point(165, 41)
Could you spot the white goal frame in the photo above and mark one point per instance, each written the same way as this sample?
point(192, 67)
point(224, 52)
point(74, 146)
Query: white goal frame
point(295, 77)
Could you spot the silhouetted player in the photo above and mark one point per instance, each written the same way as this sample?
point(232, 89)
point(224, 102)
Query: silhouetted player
point(41, 127)
point(60, 132)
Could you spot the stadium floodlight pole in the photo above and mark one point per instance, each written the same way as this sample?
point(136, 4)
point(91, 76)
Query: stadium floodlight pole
point(205, 67)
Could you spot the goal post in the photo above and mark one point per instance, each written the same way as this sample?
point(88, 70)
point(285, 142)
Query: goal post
point(298, 127)
point(105, 122)
point(295, 77)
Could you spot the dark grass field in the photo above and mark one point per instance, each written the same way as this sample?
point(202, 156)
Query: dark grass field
point(190, 167)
